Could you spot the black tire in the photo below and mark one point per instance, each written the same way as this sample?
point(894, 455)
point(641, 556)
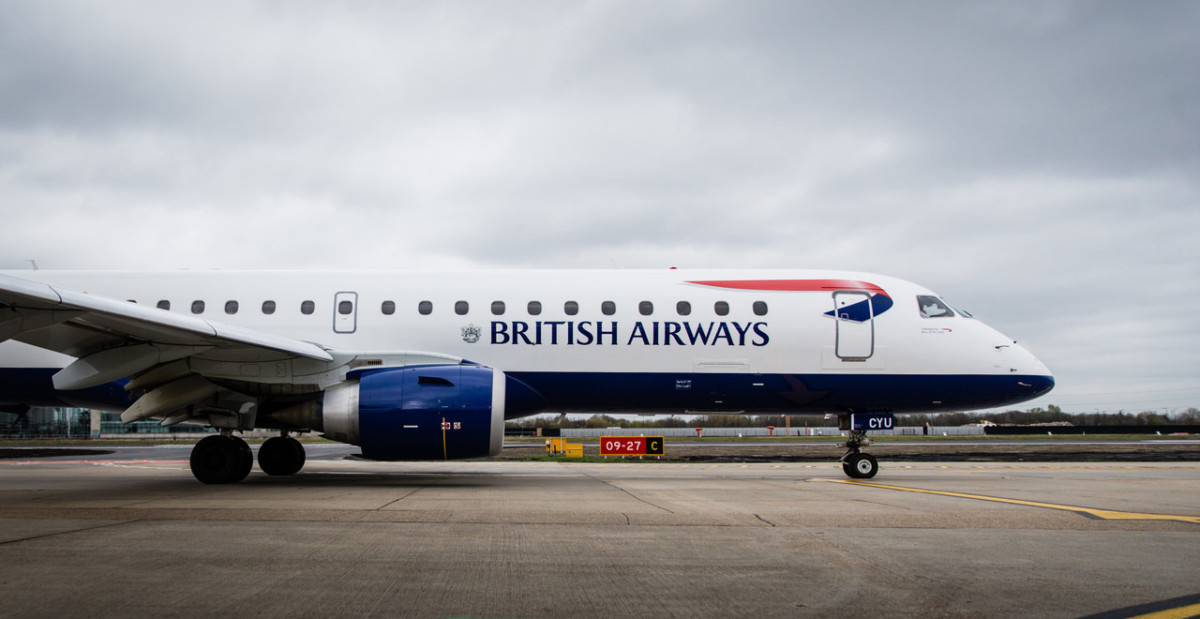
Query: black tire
point(247, 462)
point(220, 460)
point(860, 466)
point(301, 456)
point(281, 456)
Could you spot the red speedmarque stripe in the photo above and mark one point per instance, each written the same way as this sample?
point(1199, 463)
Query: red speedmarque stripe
point(793, 285)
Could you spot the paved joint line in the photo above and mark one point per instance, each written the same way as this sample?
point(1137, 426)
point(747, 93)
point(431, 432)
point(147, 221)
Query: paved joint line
point(55, 533)
point(763, 519)
point(612, 485)
point(1102, 514)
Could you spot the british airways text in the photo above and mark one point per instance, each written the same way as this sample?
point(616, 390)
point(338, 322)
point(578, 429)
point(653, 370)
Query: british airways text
point(600, 333)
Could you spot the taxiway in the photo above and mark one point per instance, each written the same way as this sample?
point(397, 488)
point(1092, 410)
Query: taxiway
point(135, 534)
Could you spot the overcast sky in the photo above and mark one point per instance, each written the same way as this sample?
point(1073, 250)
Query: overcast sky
point(1035, 162)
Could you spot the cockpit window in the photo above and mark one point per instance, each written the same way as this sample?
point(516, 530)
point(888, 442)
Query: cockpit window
point(933, 307)
point(961, 312)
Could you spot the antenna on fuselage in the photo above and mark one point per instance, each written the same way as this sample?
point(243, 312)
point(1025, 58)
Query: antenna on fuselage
point(32, 263)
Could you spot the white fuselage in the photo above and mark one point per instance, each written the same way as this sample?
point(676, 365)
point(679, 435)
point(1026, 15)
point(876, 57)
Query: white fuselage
point(581, 322)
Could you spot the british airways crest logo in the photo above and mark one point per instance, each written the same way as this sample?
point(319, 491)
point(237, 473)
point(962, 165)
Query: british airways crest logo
point(471, 333)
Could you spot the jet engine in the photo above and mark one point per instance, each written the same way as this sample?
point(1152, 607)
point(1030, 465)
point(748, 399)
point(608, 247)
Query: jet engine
point(436, 412)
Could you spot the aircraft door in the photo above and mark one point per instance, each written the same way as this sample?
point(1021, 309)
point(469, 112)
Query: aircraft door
point(345, 312)
point(854, 317)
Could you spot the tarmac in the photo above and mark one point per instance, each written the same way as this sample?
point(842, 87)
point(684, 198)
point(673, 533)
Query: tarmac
point(133, 533)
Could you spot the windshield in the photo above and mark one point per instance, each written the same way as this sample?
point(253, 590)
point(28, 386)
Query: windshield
point(933, 307)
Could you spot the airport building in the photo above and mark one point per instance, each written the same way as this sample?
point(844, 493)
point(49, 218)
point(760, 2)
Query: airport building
point(75, 423)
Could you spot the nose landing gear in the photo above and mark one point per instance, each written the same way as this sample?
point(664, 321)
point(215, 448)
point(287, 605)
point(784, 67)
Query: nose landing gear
point(855, 463)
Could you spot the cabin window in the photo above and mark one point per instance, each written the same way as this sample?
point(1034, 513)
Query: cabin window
point(608, 308)
point(164, 305)
point(721, 308)
point(308, 307)
point(197, 307)
point(231, 307)
point(345, 308)
point(570, 308)
point(497, 308)
point(425, 308)
point(760, 308)
point(461, 308)
point(388, 308)
point(534, 308)
point(683, 308)
point(933, 307)
point(645, 308)
point(268, 307)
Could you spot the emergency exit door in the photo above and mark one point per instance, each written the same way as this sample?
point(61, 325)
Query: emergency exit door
point(345, 312)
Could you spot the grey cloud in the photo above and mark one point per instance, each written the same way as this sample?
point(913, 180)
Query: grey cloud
point(1034, 161)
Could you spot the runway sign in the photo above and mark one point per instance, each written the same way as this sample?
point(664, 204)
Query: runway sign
point(632, 446)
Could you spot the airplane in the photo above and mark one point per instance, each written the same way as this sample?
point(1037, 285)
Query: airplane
point(428, 365)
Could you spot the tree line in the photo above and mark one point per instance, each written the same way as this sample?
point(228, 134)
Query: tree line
point(1033, 416)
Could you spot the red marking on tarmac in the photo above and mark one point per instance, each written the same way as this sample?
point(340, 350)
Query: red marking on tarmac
point(44, 461)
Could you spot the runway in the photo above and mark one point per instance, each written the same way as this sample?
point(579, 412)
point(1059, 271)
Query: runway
point(134, 534)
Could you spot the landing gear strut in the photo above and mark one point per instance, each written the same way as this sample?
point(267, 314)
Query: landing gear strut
point(282, 455)
point(221, 459)
point(855, 463)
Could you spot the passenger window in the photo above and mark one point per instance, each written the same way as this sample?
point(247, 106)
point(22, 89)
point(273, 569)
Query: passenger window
point(461, 308)
point(534, 308)
point(933, 307)
point(308, 307)
point(164, 305)
point(497, 308)
point(231, 307)
point(683, 308)
point(760, 308)
point(608, 308)
point(268, 307)
point(345, 308)
point(570, 308)
point(645, 308)
point(721, 308)
point(388, 308)
point(197, 307)
point(425, 308)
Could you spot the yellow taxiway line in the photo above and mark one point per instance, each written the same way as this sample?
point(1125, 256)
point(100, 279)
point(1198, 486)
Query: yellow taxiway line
point(1103, 514)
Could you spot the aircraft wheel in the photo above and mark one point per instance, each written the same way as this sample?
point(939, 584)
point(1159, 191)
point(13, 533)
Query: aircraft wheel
point(860, 466)
point(247, 461)
point(282, 455)
point(221, 460)
point(301, 456)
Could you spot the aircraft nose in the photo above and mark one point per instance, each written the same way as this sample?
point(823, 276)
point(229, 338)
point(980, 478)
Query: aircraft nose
point(1036, 385)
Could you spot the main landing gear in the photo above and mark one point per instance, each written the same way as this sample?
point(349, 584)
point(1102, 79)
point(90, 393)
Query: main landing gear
point(226, 459)
point(221, 459)
point(282, 455)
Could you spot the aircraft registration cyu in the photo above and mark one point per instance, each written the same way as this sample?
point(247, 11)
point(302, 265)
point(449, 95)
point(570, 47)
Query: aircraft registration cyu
point(429, 365)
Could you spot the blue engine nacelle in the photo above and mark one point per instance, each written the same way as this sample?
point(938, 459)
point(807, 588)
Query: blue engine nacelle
point(438, 412)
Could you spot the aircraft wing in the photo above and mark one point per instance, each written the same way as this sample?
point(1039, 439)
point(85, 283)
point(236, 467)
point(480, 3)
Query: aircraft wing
point(114, 339)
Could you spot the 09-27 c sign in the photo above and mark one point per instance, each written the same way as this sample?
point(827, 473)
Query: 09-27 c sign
point(632, 446)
